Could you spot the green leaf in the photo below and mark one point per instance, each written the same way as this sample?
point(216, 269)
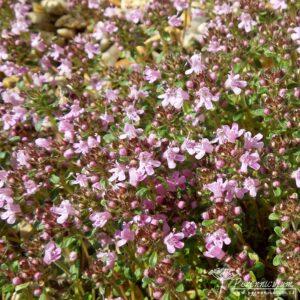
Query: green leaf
point(153, 259)
point(259, 269)
point(166, 296)
point(258, 112)
point(278, 231)
point(277, 260)
point(143, 191)
point(274, 216)
point(180, 288)
point(54, 179)
point(207, 223)
point(22, 286)
point(146, 281)
point(277, 192)
point(109, 138)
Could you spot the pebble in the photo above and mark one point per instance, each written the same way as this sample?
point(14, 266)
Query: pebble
point(71, 22)
point(54, 7)
point(66, 33)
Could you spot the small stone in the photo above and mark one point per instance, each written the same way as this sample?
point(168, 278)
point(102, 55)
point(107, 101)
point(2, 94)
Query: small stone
point(54, 7)
point(10, 82)
point(26, 230)
point(66, 33)
point(71, 22)
point(111, 56)
point(38, 18)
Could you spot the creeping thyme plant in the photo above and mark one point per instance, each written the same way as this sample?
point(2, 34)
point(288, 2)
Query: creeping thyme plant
point(145, 145)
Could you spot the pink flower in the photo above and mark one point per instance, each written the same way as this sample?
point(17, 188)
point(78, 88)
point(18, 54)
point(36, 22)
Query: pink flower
point(215, 46)
point(3, 53)
point(99, 219)
point(227, 134)
point(91, 50)
point(37, 42)
point(130, 132)
point(171, 155)
point(203, 147)
point(64, 210)
point(296, 176)
point(136, 94)
point(176, 180)
point(134, 15)
point(81, 147)
point(233, 83)
point(205, 98)
point(175, 97)
point(52, 253)
point(223, 9)
point(246, 22)
point(174, 21)
point(44, 143)
point(189, 146)
point(216, 188)
point(13, 97)
point(56, 52)
point(249, 160)
point(151, 75)
point(136, 176)
point(109, 258)
point(112, 95)
point(65, 68)
point(124, 236)
point(11, 212)
point(189, 229)
point(104, 28)
point(147, 163)
point(296, 35)
point(173, 241)
point(197, 65)
point(133, 113)
point(110, 12)
point(180, 4)
point(23, 158)
point(3, 177)
point(31, 187)
point(251, 185)
point(278, 4)
point(214, 244)
point(82, 180)
point(118, 172)
point(94, 4)
point(253, 142)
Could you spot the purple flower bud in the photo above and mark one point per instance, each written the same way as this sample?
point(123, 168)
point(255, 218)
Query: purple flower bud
point(16, 281)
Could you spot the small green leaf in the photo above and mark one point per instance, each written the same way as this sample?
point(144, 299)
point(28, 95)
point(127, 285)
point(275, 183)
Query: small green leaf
point(22, 286)
point(274, 216)
point(153, 259)
point(108, 138)
point(166, 296)
point(207, 223)
point(277, 261)
point(54, 179)
point(278, 231)
point(180, 288)
point(277, 192)
point(258, 112)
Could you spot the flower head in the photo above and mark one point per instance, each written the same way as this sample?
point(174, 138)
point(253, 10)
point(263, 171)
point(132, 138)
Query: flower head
point(234, 83)
point(64, 210)
point(173, 241)
point(197, 66)
point(52, 253)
